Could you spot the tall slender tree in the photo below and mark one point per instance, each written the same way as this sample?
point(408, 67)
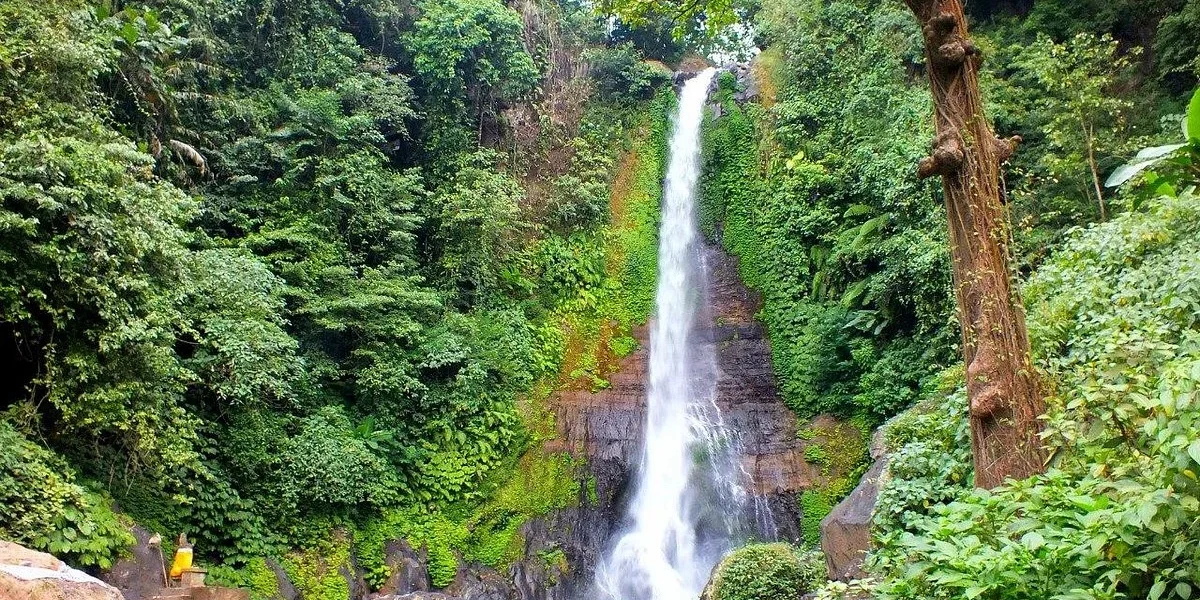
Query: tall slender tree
point(1005, 399)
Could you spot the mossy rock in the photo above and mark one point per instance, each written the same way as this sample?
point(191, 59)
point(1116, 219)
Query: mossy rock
point(766, 572)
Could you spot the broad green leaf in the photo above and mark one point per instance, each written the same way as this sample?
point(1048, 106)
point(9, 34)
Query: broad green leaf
point(1146, 512)
point(129, 33)
point(866, 230)
point(1126, 172)
point(1194, 450)
point(1157, 151)
point(1157, 590)
point(856, 210)
point(854, 293)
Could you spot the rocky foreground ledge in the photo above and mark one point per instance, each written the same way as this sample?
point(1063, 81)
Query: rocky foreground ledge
point(30, 575)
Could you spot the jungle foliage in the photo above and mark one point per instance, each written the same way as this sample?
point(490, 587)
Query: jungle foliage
point(298, 277)
point(272, 274)
point(812, 186)
point(1109, 275)
point(1114, 322)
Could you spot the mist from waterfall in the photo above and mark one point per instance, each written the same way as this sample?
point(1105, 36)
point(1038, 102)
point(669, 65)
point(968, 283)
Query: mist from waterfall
point(688, 500)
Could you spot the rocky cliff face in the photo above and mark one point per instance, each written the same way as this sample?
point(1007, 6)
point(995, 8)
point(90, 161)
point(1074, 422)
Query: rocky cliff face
point(606, 427)
point(772, 454)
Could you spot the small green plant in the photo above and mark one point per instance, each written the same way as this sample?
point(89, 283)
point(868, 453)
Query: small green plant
point(623, 346)
point(815, 454)
point(316, 571)
point(256, 576)
point(814, 507)
point(555, 563)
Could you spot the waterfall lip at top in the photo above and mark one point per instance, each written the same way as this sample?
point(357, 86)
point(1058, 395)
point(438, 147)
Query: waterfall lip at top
point(681, 516)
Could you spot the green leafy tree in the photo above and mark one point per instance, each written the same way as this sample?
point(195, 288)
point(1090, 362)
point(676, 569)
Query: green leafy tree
point(1084, 120)
point(479, 225)
point(469, 59)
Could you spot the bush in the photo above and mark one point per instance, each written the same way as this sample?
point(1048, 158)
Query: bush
point(42, 507)
point(256, 576)
point(929, 462)
point(1114, 321)
point(767, 572)
point(329, 465)
point(620, 74)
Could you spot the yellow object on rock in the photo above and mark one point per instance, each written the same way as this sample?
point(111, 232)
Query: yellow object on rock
point(183, 562)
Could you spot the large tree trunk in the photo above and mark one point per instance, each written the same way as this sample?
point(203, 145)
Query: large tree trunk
point(1002, 387)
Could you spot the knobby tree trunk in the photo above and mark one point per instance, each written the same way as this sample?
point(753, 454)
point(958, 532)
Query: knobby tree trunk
point(1005, 399)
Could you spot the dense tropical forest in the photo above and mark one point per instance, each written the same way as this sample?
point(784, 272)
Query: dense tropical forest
point(301, 278)
point(272, 270)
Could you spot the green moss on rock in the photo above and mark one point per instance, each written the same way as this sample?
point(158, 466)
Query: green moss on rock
point(317, 570)
point(255, 576)
point(543, 482)
point(840, 448)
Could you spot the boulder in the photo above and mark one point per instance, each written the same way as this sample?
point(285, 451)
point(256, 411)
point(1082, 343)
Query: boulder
point(475, 582)
point(355, 578)
point(140, 575)
point(30, 575)
point(417, 596)
point(408, 569)
point(846, 531)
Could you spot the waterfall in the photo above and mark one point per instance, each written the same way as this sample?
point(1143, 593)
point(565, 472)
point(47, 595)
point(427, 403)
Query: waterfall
point(687, 501)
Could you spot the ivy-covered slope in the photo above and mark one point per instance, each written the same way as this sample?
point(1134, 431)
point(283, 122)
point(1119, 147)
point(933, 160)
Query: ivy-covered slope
point(1115, 319)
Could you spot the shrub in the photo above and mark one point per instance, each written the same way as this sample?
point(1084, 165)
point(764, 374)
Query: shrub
point(42, 507)
point(1113, 318)
point(767, 572)
point(256, 576)
point(327, 464)
point(620, 74)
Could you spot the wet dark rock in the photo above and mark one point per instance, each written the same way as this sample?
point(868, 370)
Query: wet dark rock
point(355, 578)
point(747, 84)
point(605, 427)
point(747, 88)
point(750, 402)
point(846, 532)
point(287, 590)
point(408, 567)
point(416, 596)
point(479, 583)
point(140, 575)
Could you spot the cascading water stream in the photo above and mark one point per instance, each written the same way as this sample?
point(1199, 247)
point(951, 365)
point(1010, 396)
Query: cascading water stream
point(687, 500)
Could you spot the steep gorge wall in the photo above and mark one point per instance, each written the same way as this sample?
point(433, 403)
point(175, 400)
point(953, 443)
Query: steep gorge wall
point(598, 414)
point(605, 428)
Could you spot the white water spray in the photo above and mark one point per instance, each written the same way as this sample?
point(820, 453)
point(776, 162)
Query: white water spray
point(682, 517)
